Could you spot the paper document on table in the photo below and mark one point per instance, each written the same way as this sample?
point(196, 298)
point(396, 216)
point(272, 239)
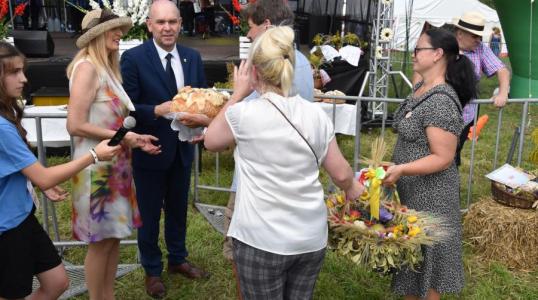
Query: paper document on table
point(329, 52)
point(509, 176)
point(351, 54)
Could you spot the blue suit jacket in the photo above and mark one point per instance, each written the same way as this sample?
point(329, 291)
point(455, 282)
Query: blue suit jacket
point(145, 81)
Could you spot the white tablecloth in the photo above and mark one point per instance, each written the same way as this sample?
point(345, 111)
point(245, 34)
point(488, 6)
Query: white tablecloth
point(55, 133)
point(344, 121)
point(54, 130)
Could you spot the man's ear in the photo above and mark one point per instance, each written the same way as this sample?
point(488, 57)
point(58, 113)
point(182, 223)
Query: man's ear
point(148, 23)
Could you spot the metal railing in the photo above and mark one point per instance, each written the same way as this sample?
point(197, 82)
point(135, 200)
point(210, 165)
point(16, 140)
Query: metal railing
point(358, 135)
point(75, 272)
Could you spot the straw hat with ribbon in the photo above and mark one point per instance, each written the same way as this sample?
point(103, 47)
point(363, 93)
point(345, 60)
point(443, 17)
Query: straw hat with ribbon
point(472, 22)
point(99, 21)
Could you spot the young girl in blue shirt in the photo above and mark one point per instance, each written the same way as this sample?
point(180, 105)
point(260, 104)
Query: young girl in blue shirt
point(25, 248)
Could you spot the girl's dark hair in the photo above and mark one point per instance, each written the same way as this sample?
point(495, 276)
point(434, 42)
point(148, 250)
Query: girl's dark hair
point(459, 69)
point(9, 109)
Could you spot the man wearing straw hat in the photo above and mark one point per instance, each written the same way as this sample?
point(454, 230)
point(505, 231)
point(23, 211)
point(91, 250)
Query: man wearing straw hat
point(152, 74)
point(469, 32)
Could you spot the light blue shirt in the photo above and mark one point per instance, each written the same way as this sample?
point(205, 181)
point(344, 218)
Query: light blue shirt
point(15, 199)
point(303, 84)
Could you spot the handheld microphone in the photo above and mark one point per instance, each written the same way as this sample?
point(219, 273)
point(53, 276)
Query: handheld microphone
point(128, 124)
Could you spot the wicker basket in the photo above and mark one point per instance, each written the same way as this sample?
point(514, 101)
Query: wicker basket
point(509, 199)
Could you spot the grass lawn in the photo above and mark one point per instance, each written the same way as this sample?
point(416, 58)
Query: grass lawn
point(339, 278)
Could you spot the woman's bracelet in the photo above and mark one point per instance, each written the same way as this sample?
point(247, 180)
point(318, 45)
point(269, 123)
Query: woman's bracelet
point(94, 155)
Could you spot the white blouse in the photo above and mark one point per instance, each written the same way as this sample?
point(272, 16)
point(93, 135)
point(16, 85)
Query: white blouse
point(279, 204)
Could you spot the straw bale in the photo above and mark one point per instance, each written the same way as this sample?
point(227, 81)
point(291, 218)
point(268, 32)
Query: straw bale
point(503, 234)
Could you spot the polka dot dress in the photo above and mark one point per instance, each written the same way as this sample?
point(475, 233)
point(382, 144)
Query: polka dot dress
point(442, 268)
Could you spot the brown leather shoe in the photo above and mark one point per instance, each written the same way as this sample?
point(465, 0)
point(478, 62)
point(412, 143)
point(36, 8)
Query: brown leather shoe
point(188, 270)
point(155, 287)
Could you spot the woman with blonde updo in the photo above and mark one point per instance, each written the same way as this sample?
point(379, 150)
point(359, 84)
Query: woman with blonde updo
point(279, 227)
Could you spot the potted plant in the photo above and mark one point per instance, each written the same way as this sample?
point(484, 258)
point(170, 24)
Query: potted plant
point(337, 41)
point(5, 22)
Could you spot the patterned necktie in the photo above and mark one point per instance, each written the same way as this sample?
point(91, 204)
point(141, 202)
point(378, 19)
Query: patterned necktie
point(170, 71)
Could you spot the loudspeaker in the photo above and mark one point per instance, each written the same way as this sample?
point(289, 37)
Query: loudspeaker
point(34, 43)
point(301, 25)
point(310, 25)
point(317, 24)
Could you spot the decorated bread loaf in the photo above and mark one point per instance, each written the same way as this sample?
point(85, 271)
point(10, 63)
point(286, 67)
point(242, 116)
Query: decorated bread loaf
point(198, 101)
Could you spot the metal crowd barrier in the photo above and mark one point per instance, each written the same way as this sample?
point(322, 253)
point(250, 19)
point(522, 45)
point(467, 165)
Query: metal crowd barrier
point(74, 272)
point(214, 214)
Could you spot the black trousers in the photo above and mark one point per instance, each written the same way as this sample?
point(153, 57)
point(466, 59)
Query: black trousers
point(187, 14)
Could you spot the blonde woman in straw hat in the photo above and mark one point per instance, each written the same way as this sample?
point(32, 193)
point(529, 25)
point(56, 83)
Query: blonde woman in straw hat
point(104, 202)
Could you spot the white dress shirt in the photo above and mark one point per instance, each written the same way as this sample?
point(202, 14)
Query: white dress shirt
point(175, 61)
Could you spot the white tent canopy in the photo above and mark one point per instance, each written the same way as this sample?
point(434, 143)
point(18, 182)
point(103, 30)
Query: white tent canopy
point(437, 13)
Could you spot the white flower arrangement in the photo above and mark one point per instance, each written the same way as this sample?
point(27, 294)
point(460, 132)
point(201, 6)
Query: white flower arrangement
point(386, 2)
point(137, 10)
point(378, 52)
point(386, 34)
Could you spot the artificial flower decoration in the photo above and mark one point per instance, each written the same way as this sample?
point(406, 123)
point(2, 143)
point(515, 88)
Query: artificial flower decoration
point(378, 52)
point(386, 34)
point(387, 2)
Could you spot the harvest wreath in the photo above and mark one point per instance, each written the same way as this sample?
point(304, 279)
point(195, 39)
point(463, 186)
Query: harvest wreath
point(377, 231)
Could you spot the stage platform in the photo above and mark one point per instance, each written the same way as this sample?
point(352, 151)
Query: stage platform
point(50, 72)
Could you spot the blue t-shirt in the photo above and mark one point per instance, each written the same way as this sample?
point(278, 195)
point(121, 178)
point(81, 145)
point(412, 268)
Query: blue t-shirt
point(15, 199)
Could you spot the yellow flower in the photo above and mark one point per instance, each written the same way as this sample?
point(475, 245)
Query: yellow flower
point(412, 219)
point(329, 203)
point(414, 231)
point(365, 195)
point(340, 199)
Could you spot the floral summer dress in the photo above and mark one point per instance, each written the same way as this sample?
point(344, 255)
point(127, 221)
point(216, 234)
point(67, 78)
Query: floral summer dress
point(104, 199)
point(437, 193)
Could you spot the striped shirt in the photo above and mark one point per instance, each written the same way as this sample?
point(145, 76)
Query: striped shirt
point(484, 61)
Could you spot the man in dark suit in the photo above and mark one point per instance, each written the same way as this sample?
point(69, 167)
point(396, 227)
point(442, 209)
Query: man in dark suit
point(152, 74)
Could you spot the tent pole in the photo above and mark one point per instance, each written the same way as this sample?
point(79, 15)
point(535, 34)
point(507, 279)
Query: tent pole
point(11, 14)
point(344, 10)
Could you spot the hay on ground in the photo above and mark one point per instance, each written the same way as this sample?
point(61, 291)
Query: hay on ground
point(503, 234)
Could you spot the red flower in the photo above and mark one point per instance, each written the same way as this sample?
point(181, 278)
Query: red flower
point(19, 10)
point(236, 5)
point(235, 20)
point(4, 8)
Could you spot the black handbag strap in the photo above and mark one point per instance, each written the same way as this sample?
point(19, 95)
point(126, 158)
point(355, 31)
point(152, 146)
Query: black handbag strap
point(438, 92)
point(300, 134)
